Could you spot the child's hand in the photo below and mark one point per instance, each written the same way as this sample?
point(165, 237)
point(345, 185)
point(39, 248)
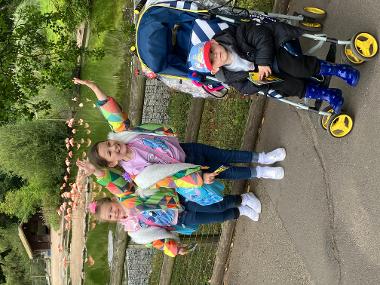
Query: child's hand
point(264, 71)
point(82, 82)
point(208, 178)
point(185, 249)
point(92, 85)
point(88, 168)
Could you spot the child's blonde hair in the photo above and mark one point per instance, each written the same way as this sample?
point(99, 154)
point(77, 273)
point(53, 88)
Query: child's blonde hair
point(95, 207)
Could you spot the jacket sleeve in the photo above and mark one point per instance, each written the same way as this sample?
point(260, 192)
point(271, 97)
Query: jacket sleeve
point(169, 246)
point(112, 112)
point(114, 182)
point(188, 178)
point(260, 39)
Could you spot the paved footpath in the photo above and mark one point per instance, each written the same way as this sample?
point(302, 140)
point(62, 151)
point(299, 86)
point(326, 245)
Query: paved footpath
point(321, 223)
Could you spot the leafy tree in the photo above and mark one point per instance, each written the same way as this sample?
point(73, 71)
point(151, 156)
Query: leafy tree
point(24, 202)
point(14, 262)
point(34, 150)
point(37, 50)
point(9, 182)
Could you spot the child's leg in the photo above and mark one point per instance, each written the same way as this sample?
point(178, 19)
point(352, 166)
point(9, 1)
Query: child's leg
point(213, 157)
point(302, 66)
point(344, 71)
point(199, 218)
point(237, 172)
point(204, 154)
point(228, 202)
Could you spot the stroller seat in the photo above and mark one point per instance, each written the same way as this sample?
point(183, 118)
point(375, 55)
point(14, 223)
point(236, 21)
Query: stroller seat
point(165, 36)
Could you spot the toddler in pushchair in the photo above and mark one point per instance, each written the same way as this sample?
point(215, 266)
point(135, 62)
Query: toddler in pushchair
point(172, 37)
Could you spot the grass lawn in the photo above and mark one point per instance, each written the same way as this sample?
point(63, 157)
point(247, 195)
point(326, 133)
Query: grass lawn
point(96, 243)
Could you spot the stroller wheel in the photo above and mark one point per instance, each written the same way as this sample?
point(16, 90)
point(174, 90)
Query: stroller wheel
point(314, 13)
point(340, 125)
point(364, 46)
point(326, 118)
point(351, 56)
point(311, 26)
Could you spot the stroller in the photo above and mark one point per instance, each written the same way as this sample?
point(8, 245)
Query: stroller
point(166, 31)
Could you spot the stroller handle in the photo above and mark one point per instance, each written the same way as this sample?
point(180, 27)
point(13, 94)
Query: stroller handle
point(139, 7)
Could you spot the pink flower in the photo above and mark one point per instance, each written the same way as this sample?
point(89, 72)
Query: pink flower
point(70, 122)
point(68, 169)
point(67, 162)
point(70, 154)
point(151, 75)
point(71, 141)
point(68, 146)
point(65, 178)
point(92, 207)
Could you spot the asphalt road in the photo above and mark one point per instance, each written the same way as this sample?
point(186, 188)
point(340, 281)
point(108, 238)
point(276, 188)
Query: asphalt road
point(321, 223)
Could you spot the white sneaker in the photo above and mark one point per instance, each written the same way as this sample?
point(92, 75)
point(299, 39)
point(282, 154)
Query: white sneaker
point(249, 212)
point(270, 172)
point(278, 154)
point(250, 200)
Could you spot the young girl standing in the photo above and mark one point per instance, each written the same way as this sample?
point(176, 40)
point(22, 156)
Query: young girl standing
point(158, 225)
point(154, 155)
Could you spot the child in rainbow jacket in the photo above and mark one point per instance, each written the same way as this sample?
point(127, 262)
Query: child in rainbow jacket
point(157, 222)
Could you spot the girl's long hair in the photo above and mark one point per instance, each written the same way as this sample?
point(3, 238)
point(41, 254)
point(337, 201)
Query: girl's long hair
point(95, 158)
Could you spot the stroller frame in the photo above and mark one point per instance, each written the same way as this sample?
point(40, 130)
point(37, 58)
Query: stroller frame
point(328, 117)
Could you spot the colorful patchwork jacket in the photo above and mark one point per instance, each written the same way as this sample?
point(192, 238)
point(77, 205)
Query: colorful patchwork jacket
point(186, 178)
point(164, 198)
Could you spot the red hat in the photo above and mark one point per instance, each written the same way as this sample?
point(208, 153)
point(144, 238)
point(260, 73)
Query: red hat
point(199, 57)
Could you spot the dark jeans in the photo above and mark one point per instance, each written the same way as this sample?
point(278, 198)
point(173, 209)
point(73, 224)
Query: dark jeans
point(196, 214)
point(296, 72)
point(213, 157)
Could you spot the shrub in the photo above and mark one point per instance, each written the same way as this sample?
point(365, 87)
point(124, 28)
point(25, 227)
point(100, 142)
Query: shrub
point(34, 150)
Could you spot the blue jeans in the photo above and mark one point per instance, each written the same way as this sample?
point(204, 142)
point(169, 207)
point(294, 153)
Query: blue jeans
point(213, 157)
point(196, 214)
